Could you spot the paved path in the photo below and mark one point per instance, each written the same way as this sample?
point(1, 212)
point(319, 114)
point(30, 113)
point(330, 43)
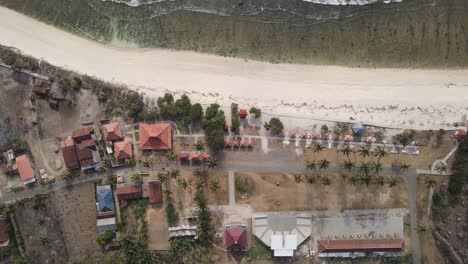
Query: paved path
point(411, 181)
point(231, 184)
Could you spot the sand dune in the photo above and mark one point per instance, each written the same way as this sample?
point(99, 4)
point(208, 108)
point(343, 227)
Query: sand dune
point(389, 97)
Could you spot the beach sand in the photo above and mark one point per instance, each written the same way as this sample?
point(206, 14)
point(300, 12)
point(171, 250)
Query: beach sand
point(424, 99)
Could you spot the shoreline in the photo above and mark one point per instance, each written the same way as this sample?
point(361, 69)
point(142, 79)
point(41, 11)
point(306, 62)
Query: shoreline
point(427, 99)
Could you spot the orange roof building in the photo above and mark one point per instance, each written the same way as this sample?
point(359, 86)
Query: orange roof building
point(112, 132)
point(360, 245)
point(128, 191)
point(155, 136)
point(25, 170)
point(69, 153)
point(81, 134)
point(152, 191)
point(123, 150)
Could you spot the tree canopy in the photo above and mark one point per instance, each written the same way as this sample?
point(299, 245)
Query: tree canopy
point(181, 110)
point(275, 125)
point(213, 124)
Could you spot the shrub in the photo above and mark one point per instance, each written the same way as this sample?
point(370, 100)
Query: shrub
point(171, 215)
point(242, 186)
point(275, 126)
point(256, 112)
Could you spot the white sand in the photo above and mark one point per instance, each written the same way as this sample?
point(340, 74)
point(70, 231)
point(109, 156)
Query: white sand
point(389, 97)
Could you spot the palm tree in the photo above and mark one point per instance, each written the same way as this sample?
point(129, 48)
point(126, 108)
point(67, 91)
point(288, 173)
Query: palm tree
point(214, 186)
point(441, 167)
point(365, 179)
point(170, 155)
point(324, 164)
point(404, 166)
point(167, 194)
point(393, 181)
point(326, 181)
point(131, 162)
point(349, 165)
point(354, 180)
point(199, 146)
point(147, 163)
point(298, 178)
point(162, 176)
point(135, 177)
point(183, 183)
point(318, 147)
point(365, 168)
point(421, 228)
point(311, 179)
point(212, 163)
point(379, 181)
point(347, 150)
point(174, 174)
point(377, 166)
point(380, 153)
point(311, 165)
point(364, 152)
point(429, 181)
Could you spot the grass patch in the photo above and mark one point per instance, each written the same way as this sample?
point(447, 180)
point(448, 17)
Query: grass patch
point(258, 251)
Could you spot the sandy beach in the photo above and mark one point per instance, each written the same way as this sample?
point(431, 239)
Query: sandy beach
point(389, 97)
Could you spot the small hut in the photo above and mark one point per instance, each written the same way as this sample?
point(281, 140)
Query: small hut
point(358, 129)
point(243, 114)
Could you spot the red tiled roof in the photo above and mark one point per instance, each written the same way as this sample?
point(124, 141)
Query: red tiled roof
point(184, 156)
point(365, 245)
point(155, 136)
point(199, 156)
point(152, 190)
point(460, 133)
point(243, 113)
point(81, 134)
point(129, 192)
point(24, 168)
point(69, 153)
point(101, 215)
point(236, 238)
point(3, 230)
point(112, 131)
point(123, 149)
point(39, 89)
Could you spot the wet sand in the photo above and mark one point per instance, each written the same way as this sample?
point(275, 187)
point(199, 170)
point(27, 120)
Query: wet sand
point(389, 97)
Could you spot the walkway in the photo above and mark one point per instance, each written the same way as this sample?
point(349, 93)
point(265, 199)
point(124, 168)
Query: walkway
point(232, 189)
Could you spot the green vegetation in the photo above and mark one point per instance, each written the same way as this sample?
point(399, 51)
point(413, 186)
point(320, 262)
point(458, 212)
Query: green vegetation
point(242, 185)
point(460, 170)
point(275, 126)
point(203, 215)
point(259, 252)
point(171, 215)
point(213, 124)
point(181, 110)
point(439, 207)
point(18, 61)
point(235, 121)
point(102, 238)
point(256, 112)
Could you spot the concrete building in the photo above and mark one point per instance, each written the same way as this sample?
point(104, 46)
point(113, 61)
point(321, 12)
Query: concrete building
point(106, 224)
point(282, 232)
point(359, 235)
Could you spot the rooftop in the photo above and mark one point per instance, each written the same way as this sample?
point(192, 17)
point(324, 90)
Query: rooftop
point(235, 237)
point(123, 149)
point(155, 136)
point(112, 131)
point(360, 245)
point(105, 199)
point(24, 169)
point(152, 191)
point(70, 157)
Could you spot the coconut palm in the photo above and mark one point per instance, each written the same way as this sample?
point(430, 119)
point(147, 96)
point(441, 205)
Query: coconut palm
point(364, 152)
point(441, 167)
point(380, 153)
point(311, 165)
point(365, 168)
point(214, 186)
point(347, 150)
point(324, 164)
point(199, 146)
point(421, 228)
point(429, 181)
point(326, 181)
point(349, 165)
point(311, 179)
point(404, 166)
point(131, 162)
point(377, 167)
point(393, 181)
point(162, 176)
point(183, 184)
point(318, 148)
point(170, 155)
point(365, 179)
point(135, 177)
point(354, 180)
point(298, 178)
point(147, 163)
point(212, 163)
point(174, 174)
point(167, 194)
point(379, 181)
